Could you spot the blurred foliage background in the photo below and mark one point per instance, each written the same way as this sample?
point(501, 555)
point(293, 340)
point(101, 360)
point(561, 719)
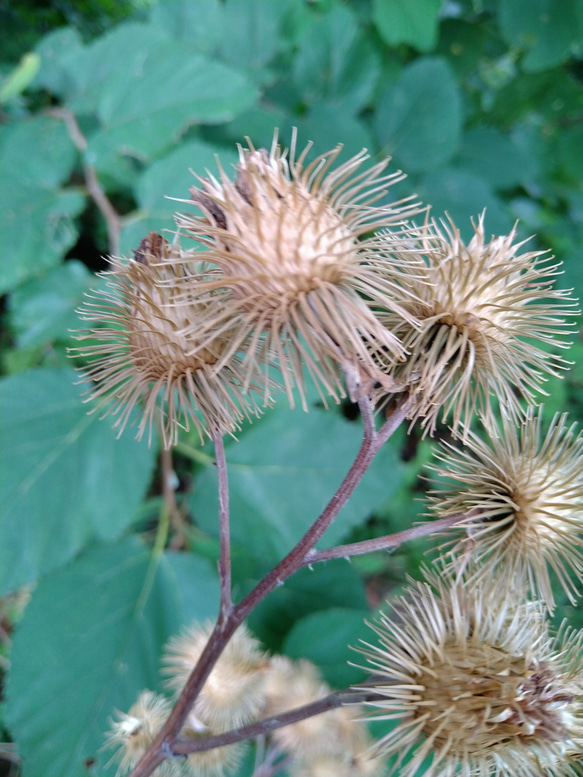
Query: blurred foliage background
point(479, 101)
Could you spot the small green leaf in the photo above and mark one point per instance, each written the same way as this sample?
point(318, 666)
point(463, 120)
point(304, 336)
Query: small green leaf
point(43, 309)
point(419, 118)
point(408, 21)
point(544, 28)
point(326, 639)
point(336, 62)
point(88, 643)
point(64, 477)
point(282, 473)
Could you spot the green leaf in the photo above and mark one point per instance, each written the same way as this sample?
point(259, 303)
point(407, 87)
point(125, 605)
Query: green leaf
point(197, 585)
point(333, 584)
point(494, 157)
point(64, 478)
point(163, 88)
point(336, 62)
point(463, 196)
point(59, 51)
point(327, 125)
point(250, 32)
point(419, 118)
point(282, 473)
point(170, 177)
point(547, 30)
point(36, 153)
point(88, 643)
point(199, 25)
point(326, 639)
point(408, 21)
point(43, 309)
point(36, 219)
point(39, 228)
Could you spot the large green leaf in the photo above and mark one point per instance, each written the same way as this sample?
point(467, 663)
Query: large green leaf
point(64, 478)
point(408, 21)
point(162, 88)
point(171, 177)
point(36, 157)
point(43, 309)
point(89, 642)
point(282, 474)
point(546, 29)
point(336, 62)
point(326, 639)
point(419, 118)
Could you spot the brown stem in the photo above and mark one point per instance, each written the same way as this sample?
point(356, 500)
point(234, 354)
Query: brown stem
point(262, 727)
point(94, 188)
point(382, 543)
point(229, 621)
point(224, 527)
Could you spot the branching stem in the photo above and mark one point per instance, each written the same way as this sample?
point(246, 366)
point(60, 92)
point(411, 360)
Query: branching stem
point(231, 618)
point(95, 189)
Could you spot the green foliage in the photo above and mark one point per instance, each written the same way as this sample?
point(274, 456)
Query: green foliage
point(480, 103)
point(282, 473)
point(115, 607)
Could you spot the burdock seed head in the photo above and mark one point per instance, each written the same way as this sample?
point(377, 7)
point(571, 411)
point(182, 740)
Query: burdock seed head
point(144, 351)
point(288, 241)
point(133, 732)
point(489, 319)
point(472, 681)
point(522, 493)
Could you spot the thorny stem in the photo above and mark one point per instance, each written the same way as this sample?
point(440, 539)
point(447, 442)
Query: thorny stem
point(229, 620)
point(94, 188)
point(224, 527)
point(254, 730)
point(382, 543)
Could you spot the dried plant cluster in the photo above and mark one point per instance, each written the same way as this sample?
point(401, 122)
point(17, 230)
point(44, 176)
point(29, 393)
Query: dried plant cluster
point(292, 270)
point(245, 685)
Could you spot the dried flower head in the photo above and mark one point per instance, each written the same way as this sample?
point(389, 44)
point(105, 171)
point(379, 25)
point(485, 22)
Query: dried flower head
point(332, 743)
point(286, 241)
point(135, 731)
point(233, 694)
point(209, 763)
point(489, 318)
point(523, 494)
point(146, 351)
point(476, 684)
